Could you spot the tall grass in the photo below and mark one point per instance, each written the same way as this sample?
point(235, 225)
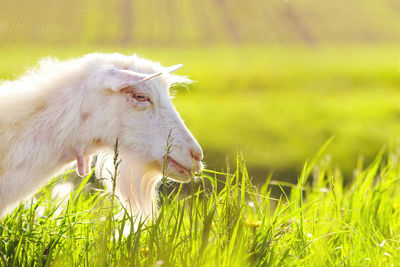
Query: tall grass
point(231, 223)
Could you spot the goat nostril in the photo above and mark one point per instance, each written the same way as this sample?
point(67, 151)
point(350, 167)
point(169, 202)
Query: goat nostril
point(198, 156)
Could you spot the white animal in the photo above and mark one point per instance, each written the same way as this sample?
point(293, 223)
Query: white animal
point(67, 110)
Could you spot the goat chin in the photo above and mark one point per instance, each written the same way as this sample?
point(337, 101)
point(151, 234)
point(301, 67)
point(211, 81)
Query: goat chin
point(135, 184)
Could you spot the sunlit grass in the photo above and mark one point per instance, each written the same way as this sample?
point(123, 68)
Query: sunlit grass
point(231, 223)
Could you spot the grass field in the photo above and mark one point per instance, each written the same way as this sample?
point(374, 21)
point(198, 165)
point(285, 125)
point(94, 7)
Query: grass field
point(321, 223)
point(276, 105)
point(274, 81)
point(152, 23)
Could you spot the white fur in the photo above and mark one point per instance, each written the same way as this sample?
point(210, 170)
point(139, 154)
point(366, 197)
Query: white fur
point(67, 110)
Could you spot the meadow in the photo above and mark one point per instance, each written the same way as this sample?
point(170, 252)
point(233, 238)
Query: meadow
point(277, 106)
point(233, 223)
point(274, 80)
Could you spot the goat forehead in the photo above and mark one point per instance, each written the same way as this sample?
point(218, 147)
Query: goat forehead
point(157, 88)
point(139, 65)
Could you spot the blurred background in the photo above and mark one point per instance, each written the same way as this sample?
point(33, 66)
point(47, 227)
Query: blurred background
point(275, 78)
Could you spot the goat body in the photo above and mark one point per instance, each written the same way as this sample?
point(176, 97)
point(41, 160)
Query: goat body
point(67, 110)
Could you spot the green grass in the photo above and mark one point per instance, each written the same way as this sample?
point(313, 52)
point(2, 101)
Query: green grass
point(321, 223)
point(276, 79)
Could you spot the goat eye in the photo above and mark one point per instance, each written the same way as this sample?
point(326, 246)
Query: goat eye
point(140, 98)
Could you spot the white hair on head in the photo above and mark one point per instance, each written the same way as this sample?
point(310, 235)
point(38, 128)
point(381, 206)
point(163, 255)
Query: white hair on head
point(67, 110)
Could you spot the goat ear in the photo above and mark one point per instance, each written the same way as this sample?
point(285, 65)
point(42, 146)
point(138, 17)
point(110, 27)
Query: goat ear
point(117, 80)
point(128, 78)
point(166, 70)
point(134, 80)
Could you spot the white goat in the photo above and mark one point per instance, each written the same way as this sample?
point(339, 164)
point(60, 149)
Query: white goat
point(66, 110)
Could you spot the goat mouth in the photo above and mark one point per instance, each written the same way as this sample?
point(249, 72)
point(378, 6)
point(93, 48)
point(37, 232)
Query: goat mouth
point(180, 168)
